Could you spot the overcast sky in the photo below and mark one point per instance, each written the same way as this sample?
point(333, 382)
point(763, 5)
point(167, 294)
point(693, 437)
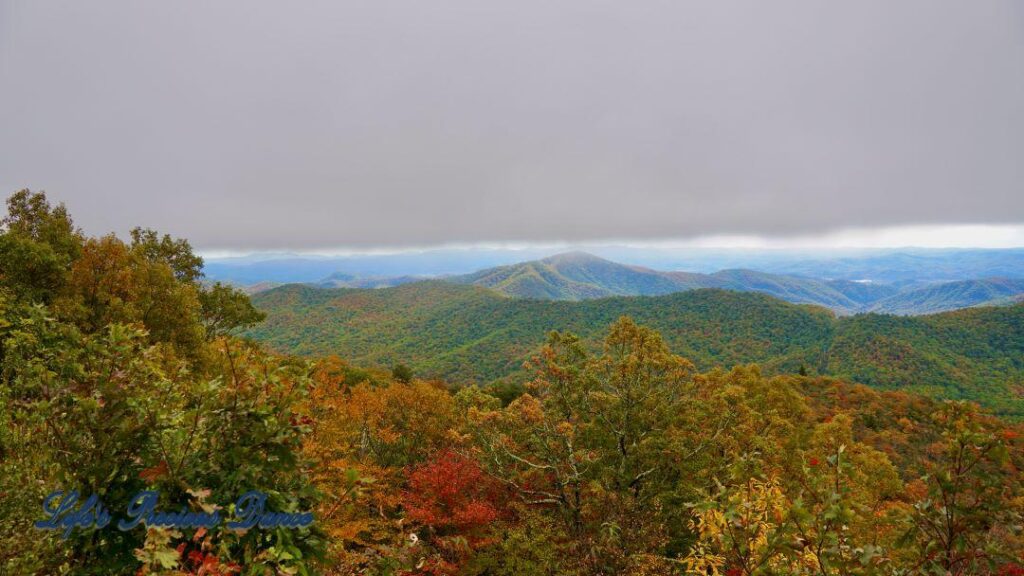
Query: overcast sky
point(309, 125)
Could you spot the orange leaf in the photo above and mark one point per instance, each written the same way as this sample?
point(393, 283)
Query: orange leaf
point(151, 474)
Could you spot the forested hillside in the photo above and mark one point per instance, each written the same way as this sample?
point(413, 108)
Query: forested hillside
point(577, 276)
point(949, 296)
point(611, 453)
point(468, 334)
point(465, 333)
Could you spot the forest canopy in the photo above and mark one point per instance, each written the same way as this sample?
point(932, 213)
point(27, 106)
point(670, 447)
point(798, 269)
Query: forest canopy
point(122, 369)
point(467, 334)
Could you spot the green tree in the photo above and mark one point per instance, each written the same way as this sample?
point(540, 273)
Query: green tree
point(401, 373)
point(590, 437)
point(226, 309)
point(38, 242)
point(175, 253)
point(970, 495)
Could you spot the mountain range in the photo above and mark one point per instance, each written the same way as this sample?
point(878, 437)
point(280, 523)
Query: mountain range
point(896, 266)
point(906, 287)
point(345, 280)
point(466, 333)
point(581, 276)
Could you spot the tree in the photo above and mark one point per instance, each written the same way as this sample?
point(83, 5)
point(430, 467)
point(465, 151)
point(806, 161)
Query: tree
point(38, 242)
point(111, 283)
point(401, 373)
point(226, 309)
point(135, 418)
point(743, 531)
point(970, 493)
point(456, 503)
point(590, 437)
point(175, 253)
point(363, 440)
point(846, 503)
point(30, 215)
point(640, 384)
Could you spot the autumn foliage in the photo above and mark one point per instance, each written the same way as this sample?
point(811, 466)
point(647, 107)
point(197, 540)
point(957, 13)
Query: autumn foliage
point(452, 497)
point(610, 457)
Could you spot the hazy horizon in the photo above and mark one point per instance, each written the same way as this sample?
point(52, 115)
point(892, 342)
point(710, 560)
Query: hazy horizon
point(963, 237)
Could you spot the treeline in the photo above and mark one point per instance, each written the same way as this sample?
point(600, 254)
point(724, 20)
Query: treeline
point(121, 371)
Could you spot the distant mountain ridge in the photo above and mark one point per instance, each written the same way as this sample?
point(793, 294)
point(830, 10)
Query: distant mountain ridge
point(899, 267)
point(574, 276)
point(950, 296)
point(345, 280)
point(912, 266)
point(582, 276)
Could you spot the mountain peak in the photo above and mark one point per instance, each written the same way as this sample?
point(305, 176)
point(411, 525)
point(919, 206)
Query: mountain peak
point(341, 276)
point(574, 257)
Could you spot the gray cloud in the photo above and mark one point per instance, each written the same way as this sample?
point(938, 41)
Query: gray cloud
point(315, 124)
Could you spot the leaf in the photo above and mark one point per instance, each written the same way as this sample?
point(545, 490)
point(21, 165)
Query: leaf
point(199, 494)
point(167, 558)
point(154, 473)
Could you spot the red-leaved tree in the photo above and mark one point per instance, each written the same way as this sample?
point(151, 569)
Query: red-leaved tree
point(456, 503)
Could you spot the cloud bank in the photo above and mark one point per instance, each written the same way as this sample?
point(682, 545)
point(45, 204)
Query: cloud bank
point(301, 126)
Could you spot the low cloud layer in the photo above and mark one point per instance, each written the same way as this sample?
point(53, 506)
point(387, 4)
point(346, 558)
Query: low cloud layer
point(270, 125)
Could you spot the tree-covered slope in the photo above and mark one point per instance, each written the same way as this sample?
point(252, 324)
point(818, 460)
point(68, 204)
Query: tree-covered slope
point(575, 276)
point(862, 293)
point(344, 280)
point(1005, 301)
point(975, 354)
point(949, 296)
point(467, 333)
point(789, 288)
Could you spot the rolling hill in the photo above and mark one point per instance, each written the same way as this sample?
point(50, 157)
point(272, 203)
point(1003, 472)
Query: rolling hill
point(1006, 301)
point(862, 293)
point(949, 296)
point(467, 333)
point(344, 280)
point(789, 288)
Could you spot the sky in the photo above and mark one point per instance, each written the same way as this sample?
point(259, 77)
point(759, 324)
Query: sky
point(337, 125)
